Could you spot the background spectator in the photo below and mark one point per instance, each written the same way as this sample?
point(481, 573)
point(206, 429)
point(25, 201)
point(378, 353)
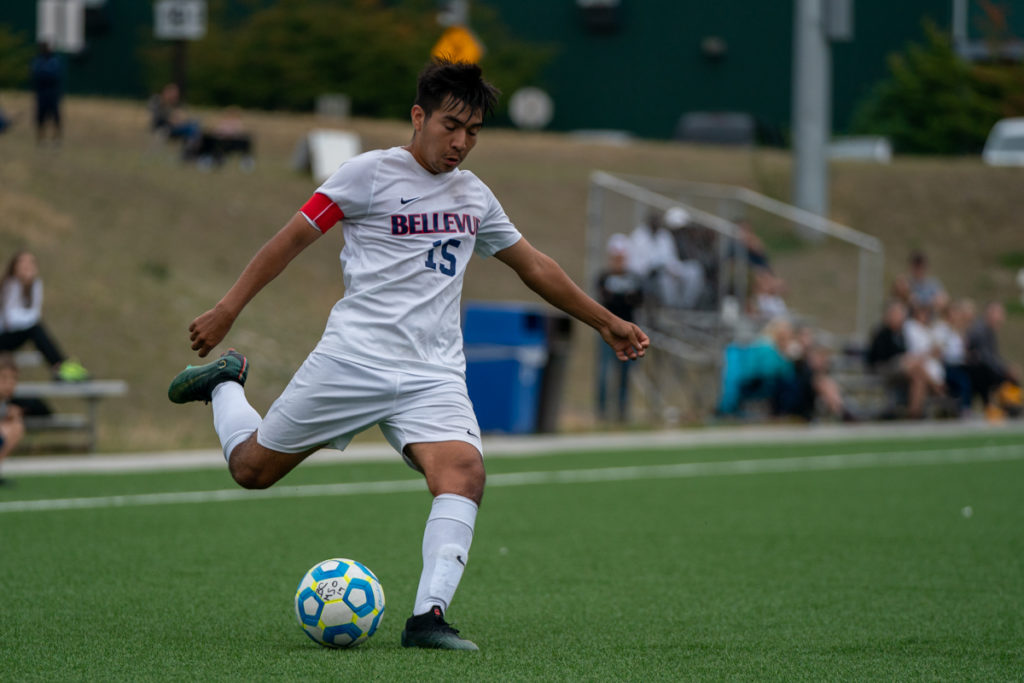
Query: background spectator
point(766, 295)
point(12, 427)
point(887, 356)
point(760, 370)
point(922, 342)
point(170, 120)
point(951, 327)
point(47, 84)
point(682, 276)
point(900, 290)
point(21, 310)
point(924, 287)
point(654, 255)
point(813, 387)
point(621, 292)
point(757, 253)
point(229, 135)
point(985, 364)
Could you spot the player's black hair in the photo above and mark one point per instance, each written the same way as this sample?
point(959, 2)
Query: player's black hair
point(444, 81)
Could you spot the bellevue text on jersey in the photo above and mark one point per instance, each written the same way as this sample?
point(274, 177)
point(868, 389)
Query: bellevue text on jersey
point(430, 223)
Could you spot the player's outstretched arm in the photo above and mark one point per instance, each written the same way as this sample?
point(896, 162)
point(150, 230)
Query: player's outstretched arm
point(211, 327)
point(543, 275)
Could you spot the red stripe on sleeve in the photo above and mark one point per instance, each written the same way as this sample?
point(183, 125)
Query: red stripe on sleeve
point(322, 211)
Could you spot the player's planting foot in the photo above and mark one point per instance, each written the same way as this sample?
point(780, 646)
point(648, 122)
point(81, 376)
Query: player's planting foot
point(430, 630)
point(196, 383)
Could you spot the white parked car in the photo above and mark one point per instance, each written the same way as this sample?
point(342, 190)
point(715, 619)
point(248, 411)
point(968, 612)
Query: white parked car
point(1005, 144)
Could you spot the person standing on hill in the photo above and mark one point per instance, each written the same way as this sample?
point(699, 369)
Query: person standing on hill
point(48, 85)
point(391, 354)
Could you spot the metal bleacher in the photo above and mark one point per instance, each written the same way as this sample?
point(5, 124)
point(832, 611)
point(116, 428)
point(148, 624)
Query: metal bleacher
point(840, 292)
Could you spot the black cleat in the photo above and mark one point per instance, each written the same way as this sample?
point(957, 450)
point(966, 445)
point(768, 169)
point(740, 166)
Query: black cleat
point(196, 383)
point(430, 630)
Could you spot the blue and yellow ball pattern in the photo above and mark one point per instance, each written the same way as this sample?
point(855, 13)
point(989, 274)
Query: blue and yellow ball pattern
point(339, 603)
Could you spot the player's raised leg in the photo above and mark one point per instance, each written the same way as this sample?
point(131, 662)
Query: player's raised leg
point(254, 466)
point(222, 383)
point(455, 476)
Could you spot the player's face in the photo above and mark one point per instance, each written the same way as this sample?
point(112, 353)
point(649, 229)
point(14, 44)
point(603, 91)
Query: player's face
point(443, 139)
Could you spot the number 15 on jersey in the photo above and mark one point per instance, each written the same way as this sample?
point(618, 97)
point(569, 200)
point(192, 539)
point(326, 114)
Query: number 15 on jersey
point(439, 252)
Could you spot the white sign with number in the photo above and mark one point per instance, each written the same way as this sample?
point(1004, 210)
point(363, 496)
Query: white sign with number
point(179, 19)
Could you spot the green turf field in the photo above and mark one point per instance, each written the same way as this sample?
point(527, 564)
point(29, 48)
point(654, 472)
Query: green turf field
point(897, 560)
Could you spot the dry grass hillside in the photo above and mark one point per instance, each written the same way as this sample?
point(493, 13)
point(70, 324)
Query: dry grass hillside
point(134, 244)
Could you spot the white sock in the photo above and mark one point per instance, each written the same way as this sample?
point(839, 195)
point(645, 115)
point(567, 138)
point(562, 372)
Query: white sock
point(234, 419)
point(446, 541)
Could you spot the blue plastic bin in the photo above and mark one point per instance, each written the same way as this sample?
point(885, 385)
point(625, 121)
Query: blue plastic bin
point(506, 348)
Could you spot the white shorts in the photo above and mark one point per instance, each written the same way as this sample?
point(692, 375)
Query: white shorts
point(330, 400)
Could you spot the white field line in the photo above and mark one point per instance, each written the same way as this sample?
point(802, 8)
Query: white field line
point(518, 446)
point(818, 463)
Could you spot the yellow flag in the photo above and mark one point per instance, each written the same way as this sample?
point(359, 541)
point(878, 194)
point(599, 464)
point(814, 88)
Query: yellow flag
point(458, 44)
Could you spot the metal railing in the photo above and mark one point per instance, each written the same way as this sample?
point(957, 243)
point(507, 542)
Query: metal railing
point(690, 342)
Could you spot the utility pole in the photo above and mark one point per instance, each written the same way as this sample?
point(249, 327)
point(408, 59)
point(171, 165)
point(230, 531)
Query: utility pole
point(812, 106)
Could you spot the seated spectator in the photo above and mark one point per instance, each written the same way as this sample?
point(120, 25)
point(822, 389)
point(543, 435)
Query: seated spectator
point(228, 136)
point(813, 387)
point(951, 333)
point(922, 341)
point(985, 364)
point(168, 119)
point(12, 426)
point(766, 297)
point(887, 356)
point(21, 309)
point(758, 370)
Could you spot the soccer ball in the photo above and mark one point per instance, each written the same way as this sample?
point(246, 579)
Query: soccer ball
point(339, 603)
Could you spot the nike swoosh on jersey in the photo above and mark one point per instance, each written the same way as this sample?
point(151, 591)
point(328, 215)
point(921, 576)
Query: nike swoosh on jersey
point(406, 201)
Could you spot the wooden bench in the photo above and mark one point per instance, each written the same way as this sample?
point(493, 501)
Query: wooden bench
point(90, 391)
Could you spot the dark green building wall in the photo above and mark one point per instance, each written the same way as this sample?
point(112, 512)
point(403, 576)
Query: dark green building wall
point(643, 76)
point(111, 64)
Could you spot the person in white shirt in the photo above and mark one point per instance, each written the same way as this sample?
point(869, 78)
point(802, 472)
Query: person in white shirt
point(923, 343)
point(950, 329)
point(675, 283)
point(21, 316)
point(391, 354)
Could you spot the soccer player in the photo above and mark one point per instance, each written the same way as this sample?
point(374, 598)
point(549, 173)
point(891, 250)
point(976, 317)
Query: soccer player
point(391, 353)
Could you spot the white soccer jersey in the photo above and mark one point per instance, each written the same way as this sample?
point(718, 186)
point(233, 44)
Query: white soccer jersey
point(409, 235)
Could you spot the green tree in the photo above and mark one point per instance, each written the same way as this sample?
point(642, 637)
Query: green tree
point(15, 58)
point(935, 102)
point(287, 54)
